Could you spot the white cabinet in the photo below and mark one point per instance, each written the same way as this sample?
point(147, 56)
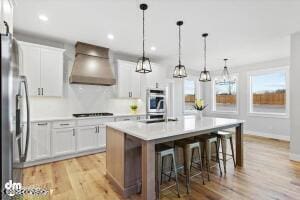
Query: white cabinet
point(43, 67)
point(63, 141)
point(6, 10)
point(87, 138)
point(101, 137)
point(40, 141)
point(129, 81)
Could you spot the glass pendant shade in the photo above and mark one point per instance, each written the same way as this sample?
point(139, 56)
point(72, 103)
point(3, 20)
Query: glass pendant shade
point(179, 72)
point(225, 73)
point(205, 76)
point(143, 65)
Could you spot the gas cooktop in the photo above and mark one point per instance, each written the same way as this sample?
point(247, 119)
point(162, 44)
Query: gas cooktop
point(92, 114)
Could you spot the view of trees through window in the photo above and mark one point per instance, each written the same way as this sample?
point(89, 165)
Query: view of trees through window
point(269, 92)
point(189, 94)
point(225, 98)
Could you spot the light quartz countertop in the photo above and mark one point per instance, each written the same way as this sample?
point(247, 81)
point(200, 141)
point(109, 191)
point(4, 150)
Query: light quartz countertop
point(185, 124)
point(81, 118)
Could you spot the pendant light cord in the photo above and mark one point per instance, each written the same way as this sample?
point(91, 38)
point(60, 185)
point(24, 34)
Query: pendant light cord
point(205, 53)
point(179, 44)
point(143, 34)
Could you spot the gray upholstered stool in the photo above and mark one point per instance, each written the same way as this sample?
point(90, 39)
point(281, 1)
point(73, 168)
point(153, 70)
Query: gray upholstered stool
point(162, 151)
point(189, 147)
point(223, 136)
point(206, 140)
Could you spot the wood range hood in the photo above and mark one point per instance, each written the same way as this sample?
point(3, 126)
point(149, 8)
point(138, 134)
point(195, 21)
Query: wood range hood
point(91, 66)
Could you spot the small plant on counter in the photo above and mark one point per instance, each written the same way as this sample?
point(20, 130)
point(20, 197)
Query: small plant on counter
point(134, 107)
point(199, 104)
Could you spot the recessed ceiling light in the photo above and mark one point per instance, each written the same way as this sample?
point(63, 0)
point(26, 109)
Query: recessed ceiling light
point(43, 18)
point(110, 36)
point(153, 48)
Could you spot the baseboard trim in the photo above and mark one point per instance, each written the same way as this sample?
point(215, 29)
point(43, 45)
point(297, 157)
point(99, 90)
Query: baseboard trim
point(267, 135)
point(295, 157)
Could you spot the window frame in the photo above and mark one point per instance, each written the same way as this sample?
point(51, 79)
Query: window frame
point(197, 93)
point(250, 74)
point(213, 97)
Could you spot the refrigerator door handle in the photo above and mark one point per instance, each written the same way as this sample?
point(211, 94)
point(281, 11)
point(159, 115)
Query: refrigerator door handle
point(23, 156)
point(7, 27)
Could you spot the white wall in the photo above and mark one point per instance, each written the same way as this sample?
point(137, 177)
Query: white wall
point(295, 97)
point(79, 98)
point(265, 126)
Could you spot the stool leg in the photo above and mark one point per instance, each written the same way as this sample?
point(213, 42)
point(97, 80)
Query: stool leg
point(224, 151)
point(200, 163)
point(187, 155)
point(192, 159)
point(217, 157)
point(207, 153)
point(175, 171)
point(162, 169)
point(170, 175)
point(158, 174)
point(232, 152)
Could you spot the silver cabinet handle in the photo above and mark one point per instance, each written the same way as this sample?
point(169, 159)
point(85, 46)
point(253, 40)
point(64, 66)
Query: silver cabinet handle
point(73, 132)
point(42, 124)
point(65, 124)
point(39, 91)
point(96, 129)
point(42, 91)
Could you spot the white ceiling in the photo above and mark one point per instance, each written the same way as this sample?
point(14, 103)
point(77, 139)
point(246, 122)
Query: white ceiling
point(246, 31)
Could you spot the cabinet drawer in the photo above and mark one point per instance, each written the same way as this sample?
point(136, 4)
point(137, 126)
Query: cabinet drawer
point(89, 122)
point(128, 118)
point(63, 124)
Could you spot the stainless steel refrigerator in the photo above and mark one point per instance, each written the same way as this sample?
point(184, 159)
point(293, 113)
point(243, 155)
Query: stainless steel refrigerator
point(15, 119)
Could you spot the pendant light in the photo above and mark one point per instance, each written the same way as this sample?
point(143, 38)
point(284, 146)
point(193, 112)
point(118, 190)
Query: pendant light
point(143, 64)
point(225, 74)
point(179, 71)
point(205, 75)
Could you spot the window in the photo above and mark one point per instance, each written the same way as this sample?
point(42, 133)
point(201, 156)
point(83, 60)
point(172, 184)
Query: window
point(189, 94)
point(225, 95)
point(268, 92)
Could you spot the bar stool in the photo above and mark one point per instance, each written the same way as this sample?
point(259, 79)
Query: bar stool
point(207, 140)
point(189, 146)
point(163, 151)
point(223, 136)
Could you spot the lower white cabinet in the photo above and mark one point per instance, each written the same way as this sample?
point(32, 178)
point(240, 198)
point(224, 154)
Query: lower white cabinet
point(101, 137)
point(40, 140)
point(63, 141)
point(87, 138)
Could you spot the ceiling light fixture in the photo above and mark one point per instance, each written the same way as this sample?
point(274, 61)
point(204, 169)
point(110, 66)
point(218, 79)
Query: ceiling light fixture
point(225, 73)
point(43, 18)
point(179, 71)
point(205, 75)
point(153, 48)
point(143, 64)
point(110, 36)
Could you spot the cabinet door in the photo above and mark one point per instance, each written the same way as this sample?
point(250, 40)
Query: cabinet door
point(124, 82)
point(40, 140)
point(30, 57)
point(51, 72)
point(63, 141)
point(102, 137)
point(87, 138)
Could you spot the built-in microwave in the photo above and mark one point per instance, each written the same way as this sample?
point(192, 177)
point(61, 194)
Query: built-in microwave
point(156, 101)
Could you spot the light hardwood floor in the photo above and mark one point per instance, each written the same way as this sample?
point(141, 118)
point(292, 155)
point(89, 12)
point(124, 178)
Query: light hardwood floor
point(268, 174)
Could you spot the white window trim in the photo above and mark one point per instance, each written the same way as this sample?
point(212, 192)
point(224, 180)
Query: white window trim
point(197, 94)
point(249, 93)
point(213, 97)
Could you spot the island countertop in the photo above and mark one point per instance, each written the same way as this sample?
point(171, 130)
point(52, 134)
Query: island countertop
point(185, 124)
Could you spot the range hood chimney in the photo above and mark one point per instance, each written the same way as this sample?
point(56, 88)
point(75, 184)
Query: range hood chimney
point(91, 66)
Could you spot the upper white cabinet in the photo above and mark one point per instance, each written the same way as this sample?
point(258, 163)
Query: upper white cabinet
point(6, 10)
point(129, 81)
point(43, 67)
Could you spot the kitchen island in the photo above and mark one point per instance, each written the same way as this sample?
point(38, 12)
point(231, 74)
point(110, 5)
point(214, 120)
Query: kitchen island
point(130, 148)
